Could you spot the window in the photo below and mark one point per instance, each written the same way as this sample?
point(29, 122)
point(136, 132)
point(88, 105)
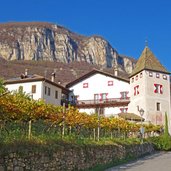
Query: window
point(157, 75)
point(96, 98)
point(33, 89)
point(100, 111)
point(103, 96)
point(132, 79)
point(85, 85)
point(136, 77)
point(20, 89)
point(48, 91)
point(110, 83)
point(164, 77)
point(56, 94)
point(158, 88)
point(158, 106)
point(45, 90)
point(124, 94)
point(141, 75)
point(150, 74)
point(136, 90)
point(123, 110)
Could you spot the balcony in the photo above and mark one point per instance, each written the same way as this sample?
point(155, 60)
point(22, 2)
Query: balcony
point(113, 102)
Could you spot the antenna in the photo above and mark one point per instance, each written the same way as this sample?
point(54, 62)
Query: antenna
point(146, 42)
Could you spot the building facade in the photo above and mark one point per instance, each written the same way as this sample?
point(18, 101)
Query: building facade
point(102, 91)
point(150, 88)
point(38, 87)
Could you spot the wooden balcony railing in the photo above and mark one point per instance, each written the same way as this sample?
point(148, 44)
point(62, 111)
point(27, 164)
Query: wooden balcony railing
point(113, 102)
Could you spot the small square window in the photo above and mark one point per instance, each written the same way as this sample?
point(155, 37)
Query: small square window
point(150, 74)
point(141, 75)
point(164, 77)
point(85, 85)
point(157, 75)
point(110, 83)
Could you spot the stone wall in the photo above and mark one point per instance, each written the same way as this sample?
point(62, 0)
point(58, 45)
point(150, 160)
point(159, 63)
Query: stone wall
point(71, 157)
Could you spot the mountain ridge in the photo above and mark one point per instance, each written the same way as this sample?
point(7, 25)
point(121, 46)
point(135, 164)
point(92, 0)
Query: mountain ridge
point(47, 41)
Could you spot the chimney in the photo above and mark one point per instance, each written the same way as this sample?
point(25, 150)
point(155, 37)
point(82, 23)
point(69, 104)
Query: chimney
point(26, 72)
point(116, 72)
point(53, 77)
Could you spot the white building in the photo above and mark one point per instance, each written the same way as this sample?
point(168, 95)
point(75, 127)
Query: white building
point(38, 87)
point(102, 91)
point(150, 88)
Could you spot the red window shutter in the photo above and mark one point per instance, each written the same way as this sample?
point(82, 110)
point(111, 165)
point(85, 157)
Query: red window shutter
point(101, 96)
point(161, 89)
point(106, 96)
point(126, 109)
point(137, 89)
point(155, 88)
point(134, 91)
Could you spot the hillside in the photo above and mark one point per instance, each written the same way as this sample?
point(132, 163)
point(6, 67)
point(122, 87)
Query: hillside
point(64, 72)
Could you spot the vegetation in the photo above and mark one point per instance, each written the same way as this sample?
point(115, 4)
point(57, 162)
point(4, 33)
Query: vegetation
point(24, 121)
point(162, 142)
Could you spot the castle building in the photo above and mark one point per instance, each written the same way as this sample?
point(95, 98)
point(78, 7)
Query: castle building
point(150, 88)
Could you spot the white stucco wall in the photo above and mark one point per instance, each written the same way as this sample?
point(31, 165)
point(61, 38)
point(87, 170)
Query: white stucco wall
point(40, 91)
point(27, 88)
point(51, 99)
point(98, 84)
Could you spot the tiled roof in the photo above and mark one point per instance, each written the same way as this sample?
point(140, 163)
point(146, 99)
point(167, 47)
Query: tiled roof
point(130, 116)
point(148, 61)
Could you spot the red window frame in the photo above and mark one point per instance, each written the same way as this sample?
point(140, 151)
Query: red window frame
point(85, 85)
point(136, 90)
point(110, 83)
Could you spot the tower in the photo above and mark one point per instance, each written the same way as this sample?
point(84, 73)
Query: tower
point(150, 88)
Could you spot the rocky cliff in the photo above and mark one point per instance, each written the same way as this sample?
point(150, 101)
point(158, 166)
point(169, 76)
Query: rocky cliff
point(45, 41)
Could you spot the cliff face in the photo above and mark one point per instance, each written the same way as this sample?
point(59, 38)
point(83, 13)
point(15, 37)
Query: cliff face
point(45, 41)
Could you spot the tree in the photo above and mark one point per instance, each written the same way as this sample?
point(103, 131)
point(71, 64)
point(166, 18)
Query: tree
point(2, 87)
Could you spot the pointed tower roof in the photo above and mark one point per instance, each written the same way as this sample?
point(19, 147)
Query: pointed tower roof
point(148, 61)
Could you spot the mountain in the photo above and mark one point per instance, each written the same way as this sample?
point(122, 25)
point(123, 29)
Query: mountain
point(41, 41)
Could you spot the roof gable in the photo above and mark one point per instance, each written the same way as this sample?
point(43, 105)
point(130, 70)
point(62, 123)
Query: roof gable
point(148, 61)
point(93, 72)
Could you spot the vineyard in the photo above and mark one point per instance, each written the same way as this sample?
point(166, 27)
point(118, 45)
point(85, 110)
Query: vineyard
point(22, 117)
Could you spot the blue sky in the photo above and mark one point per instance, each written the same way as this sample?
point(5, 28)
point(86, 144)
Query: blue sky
point(126, 24)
